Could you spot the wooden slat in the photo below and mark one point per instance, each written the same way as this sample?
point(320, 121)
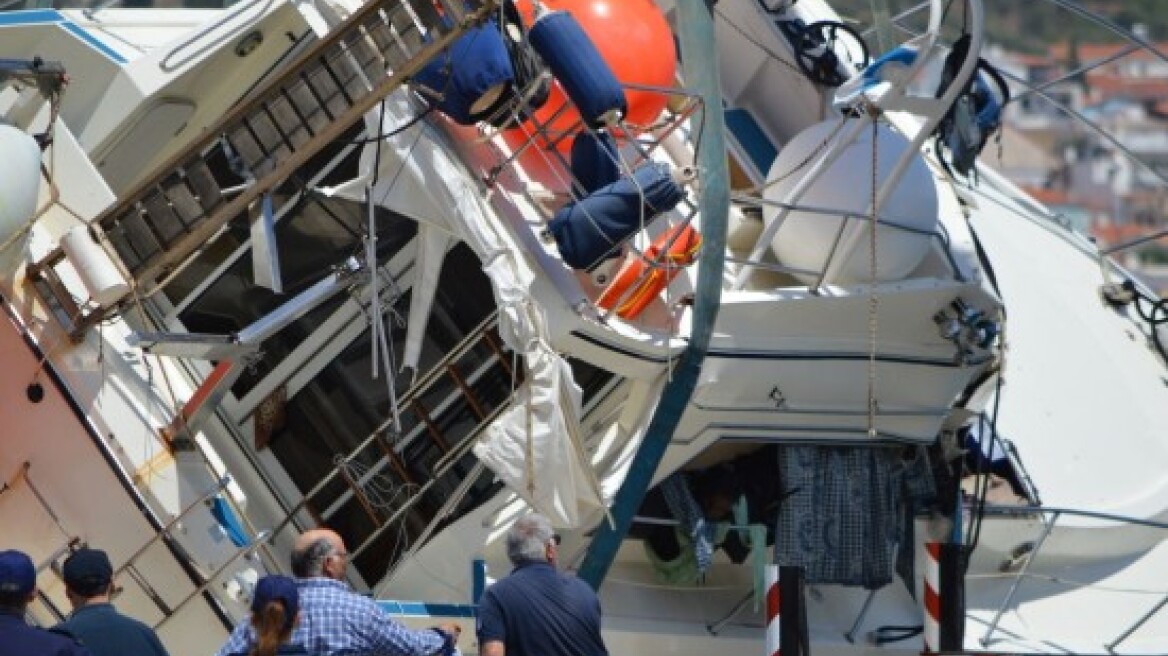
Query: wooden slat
point(162, 218)
point(185, 205)
point(203, 183)
point(288, 122)
point(307, 106)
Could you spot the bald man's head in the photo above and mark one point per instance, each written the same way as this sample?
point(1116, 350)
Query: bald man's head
point(319, 553)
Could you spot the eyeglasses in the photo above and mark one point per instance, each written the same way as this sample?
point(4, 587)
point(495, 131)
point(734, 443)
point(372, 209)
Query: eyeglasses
point(557, 538)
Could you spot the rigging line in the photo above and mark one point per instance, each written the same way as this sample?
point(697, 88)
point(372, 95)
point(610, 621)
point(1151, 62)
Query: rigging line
point(376, 327)
point(761, 46)
point(815, 152)
point(872, 299)
point(371, 252)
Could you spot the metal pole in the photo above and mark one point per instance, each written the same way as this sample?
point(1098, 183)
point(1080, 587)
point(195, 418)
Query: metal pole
point(1140, 622)
point(695, 22)
point(851, 634)
point(985, 640)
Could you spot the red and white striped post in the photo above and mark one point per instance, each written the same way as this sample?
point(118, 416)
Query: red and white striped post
point(773, 632)
point(932, 597)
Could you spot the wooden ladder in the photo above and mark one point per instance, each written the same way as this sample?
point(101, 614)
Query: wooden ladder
point(160, 223)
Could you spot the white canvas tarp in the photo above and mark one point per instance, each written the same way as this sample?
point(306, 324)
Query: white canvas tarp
point(533, 447)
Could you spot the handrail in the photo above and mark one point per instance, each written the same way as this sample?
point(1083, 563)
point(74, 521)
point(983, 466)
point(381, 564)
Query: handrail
point(443, 466)
point(881, 219)
point(423, 385)
point(236, 11)
point(1056, 513)
point(202, 587)
point(1031, 510)
point(985, 639)
point(219, 486)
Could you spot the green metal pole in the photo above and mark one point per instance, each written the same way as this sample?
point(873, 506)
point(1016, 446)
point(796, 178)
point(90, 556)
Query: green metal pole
point(699, 53)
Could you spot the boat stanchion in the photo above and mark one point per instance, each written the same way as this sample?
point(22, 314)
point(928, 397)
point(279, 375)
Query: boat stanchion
point(850, 636)
point(1110, 646)
point(1021, 574)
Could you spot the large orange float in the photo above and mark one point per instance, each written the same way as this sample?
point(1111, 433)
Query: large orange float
point(635, 289)
point(636, 42)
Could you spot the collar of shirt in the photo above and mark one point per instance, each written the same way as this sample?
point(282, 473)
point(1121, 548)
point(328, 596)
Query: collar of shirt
point(322, 582)
point(533, 564)
point(104, 607)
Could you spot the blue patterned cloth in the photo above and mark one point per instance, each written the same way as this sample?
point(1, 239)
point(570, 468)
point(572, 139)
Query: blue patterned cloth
point(840, 520)
point(688, 513)
point(336, 620)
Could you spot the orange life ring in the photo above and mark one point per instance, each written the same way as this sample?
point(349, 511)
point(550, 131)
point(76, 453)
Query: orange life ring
point(634, 288)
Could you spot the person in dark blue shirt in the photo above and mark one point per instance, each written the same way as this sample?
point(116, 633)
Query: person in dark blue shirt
point(95, 622)
point(537, 610)
point(17, 589)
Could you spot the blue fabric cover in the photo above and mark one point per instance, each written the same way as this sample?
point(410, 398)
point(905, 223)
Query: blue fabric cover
point(685, 509)
point(587, 79)
point(841, 520)
point(589, 229)
point(594, 160)
point(228, 520)
point(475, 63)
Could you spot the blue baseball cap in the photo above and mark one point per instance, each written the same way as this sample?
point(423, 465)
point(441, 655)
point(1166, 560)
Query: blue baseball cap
point(277, 588)
point(87, 572)
point(17, 573)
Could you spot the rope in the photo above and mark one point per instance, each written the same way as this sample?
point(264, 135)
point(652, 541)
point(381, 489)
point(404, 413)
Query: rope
point(873, 301)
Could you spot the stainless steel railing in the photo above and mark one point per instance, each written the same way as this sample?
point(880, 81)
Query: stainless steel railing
point(1051, 516)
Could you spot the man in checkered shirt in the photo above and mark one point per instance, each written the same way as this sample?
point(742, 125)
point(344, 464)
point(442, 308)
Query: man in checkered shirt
point(336, 620)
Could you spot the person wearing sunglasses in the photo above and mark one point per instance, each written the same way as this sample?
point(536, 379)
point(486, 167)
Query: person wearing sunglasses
point(335, 620)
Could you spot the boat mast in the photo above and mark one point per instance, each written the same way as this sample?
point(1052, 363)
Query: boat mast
point(695, 27)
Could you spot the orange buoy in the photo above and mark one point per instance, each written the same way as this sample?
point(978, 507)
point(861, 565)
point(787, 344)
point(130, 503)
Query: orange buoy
point(634, 288)
point(635, 41)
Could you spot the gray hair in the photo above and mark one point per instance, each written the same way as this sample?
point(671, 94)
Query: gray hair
point(309, 561)
point(527, 540)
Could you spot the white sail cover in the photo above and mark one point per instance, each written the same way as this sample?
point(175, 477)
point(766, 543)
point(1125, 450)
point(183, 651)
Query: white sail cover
point(533, 447)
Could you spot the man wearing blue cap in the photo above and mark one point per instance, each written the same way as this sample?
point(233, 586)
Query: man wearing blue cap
point(95, 622)
point(17, 589)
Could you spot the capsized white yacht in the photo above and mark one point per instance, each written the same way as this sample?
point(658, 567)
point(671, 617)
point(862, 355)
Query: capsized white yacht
point(407, 269)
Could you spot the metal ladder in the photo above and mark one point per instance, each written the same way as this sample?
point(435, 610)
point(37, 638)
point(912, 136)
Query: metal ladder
point(187, 201)
point(425, 457)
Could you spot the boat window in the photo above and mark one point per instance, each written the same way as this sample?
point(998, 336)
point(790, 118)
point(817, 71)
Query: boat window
point(332, 414)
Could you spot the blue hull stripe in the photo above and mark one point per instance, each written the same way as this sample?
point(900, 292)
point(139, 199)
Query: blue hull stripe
point(93, 42)
point(50, 17)
point(422, 609)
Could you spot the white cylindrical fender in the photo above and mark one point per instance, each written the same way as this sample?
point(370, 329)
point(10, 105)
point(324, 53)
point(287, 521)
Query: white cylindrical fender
point(20, 179)
point(806, 238)
point(94, 266)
